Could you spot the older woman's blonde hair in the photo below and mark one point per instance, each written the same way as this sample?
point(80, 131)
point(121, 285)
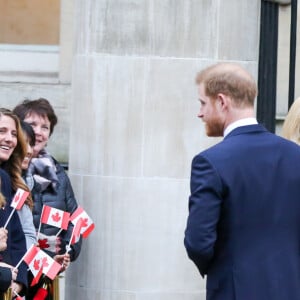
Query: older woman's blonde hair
point(291, 125)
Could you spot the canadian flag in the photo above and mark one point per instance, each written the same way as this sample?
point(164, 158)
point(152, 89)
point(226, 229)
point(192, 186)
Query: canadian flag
point(36, 277)
point(37, 259)
point(55, 217)
point(76, 231)
point(19, 199)
point(87, 225)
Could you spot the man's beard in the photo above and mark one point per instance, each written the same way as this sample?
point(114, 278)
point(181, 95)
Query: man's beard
point(214, 128)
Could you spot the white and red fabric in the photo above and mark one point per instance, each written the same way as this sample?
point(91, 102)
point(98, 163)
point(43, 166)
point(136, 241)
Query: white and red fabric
point(55, 217)
point(19, 199)
point(36, 277)
point(76, 231)
point(87, 225)
point(37, 259)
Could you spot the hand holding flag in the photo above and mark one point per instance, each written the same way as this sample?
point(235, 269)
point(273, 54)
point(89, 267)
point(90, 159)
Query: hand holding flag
point(38, 260)
point(18, 297)
point(75, 235)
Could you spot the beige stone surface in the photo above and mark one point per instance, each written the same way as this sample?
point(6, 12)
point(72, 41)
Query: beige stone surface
point(173, 133)
point(66, 40)
point(138, 240)
point(134, 130)
point(112, 109)
point(237, 38)
point(159, 28)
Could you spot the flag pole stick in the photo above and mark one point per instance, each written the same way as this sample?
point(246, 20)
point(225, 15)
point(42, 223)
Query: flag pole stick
point(18, 264)
point(79, 223)
point(17, 294)
point(58, 233)
point(68, 247)
point(38, 233)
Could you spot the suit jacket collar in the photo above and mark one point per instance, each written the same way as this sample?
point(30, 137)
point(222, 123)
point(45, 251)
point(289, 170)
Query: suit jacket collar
point(246, 129)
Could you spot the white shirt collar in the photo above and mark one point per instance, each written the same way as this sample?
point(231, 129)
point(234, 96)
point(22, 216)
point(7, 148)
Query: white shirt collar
point(239, 123)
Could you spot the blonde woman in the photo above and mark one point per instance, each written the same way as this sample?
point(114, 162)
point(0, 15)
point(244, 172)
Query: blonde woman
point(291, 125)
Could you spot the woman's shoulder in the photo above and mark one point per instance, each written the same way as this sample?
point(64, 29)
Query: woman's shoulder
point(4, 175)
point(61, 171)
point(6, 187)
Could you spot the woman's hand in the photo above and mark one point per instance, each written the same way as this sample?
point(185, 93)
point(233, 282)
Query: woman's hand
point(63, 260)
point(14, 273)
point(16, 287)
point(3, 239)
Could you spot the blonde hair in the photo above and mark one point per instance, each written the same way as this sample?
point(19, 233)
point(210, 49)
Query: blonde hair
point(2, 198)
point(13, 164)
point(230, 79)
point(291, 125)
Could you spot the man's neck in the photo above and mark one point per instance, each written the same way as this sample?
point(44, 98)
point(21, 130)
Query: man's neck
point(239, 117)
point(238, 114)
point(239, 123)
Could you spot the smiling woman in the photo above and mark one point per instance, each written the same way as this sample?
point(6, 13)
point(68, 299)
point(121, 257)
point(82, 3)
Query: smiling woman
point(8, 137)
point(12, 147)
point(12, 152)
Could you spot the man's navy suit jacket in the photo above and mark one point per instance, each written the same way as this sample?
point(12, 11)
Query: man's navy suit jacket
point(243, 229)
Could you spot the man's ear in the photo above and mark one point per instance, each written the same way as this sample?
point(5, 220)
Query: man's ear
point(223, 101)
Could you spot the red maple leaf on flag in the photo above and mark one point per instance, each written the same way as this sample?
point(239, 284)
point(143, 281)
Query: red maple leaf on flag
point(45, 262)
point(56, 217)
point(84, 222)
point(16, 198)
point(43, 244)
point(36, 264)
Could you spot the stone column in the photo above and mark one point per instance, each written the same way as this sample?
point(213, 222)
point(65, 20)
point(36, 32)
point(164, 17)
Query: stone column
point(134, 132)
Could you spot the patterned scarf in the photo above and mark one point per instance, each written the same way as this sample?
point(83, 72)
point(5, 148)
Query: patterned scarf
point(43, 170)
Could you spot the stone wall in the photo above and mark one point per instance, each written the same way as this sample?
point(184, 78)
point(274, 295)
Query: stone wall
point(134, 132)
